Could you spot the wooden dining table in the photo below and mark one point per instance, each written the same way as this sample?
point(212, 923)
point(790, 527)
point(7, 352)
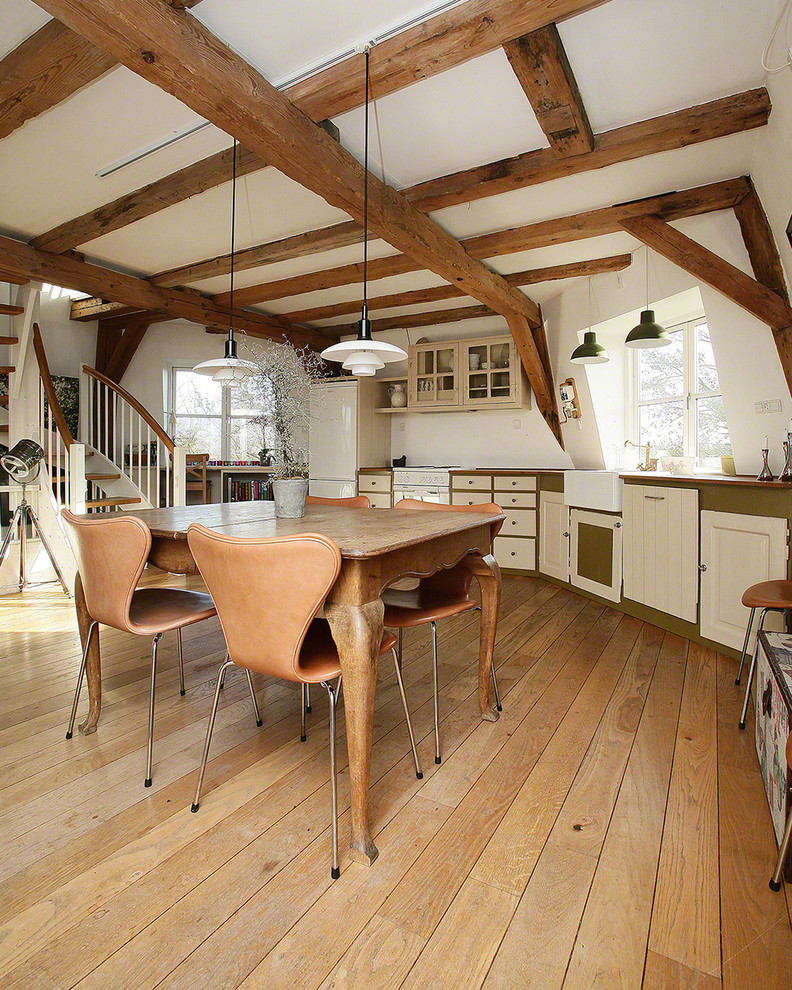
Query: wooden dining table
point(378, 547)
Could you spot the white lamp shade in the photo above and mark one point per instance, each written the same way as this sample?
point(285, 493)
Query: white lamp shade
point(387, 353)
point(363, 364)
point(226, 371)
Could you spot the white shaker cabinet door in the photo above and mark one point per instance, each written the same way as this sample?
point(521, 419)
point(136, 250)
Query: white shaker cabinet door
point(553, 535)
point(661, 542)
point(737, 551)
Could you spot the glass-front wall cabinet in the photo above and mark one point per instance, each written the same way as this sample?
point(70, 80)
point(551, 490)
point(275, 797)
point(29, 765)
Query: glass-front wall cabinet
point(490, 371)
point(434, 375)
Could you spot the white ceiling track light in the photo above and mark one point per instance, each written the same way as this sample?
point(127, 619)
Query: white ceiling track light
point(229, 370)
point(363, 356)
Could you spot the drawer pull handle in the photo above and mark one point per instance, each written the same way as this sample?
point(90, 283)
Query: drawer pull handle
point(514, 553)
point(702, 567)
point(656, 498)
point(617, 525)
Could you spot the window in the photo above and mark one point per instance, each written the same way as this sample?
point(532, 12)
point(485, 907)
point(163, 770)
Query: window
point(679, 406)
point(227, 424)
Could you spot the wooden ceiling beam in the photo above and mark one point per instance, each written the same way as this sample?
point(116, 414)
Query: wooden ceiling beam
point(182, 57)
point(126, 348)
point(672, 206)
point(672, 131)
point(47, 68)
point(136, 293)
point(543, 70)
point(429, 318)
point(760, 243)
point(437, 293)
point(763, 303)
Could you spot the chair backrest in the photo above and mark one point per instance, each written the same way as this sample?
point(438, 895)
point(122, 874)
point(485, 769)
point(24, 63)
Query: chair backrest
point(456, 581)
point(111, 552)
point(352, 502)
point(266, 592)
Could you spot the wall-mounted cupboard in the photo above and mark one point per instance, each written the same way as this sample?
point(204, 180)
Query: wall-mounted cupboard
point(459, 375)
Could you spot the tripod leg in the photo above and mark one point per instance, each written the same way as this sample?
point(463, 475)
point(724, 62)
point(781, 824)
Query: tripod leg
point(23, 544)
point(9, 534)
point(50, 554)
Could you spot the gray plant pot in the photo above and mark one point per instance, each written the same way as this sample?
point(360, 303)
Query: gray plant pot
point(289, 494)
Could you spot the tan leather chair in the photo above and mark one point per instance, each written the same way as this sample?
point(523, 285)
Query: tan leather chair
point(111, 552)
point(268, 593)
point(768, 596)
point(352, 502)
point(437, 597)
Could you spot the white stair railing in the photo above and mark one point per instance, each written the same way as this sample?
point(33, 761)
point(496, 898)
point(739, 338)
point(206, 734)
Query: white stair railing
point(126, 434)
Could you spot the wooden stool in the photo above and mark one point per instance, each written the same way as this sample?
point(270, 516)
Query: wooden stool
point(775, 881)
point(769, 596)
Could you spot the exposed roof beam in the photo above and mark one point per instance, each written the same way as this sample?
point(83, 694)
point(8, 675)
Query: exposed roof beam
point(181, 56)
point(437, 293)
point(44, 70)
point(672, 206)
point(429, 318)
point(760, 243)
point(763, 303)
point(720, 118)
point(543, 70)
point(135, 292)
point(466, 31)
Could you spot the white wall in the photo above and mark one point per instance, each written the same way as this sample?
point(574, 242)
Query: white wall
point(68, 345)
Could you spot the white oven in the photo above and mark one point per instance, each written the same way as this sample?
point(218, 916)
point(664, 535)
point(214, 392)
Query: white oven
point(427, 484)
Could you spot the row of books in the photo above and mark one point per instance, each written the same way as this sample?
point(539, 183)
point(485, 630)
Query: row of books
point(240, 490)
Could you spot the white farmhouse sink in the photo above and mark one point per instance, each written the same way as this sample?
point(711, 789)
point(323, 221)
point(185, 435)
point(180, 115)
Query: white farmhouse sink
point(593, 490)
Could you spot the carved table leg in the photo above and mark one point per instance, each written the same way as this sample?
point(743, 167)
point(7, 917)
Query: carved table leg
point(93, 666)
point(488, 575)
point(357, 631)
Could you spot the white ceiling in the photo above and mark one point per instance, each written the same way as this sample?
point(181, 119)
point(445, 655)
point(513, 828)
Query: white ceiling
point(633, 59)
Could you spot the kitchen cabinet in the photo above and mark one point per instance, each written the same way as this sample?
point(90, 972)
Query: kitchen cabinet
point(490, 372)
point(595, 553)
point(737, 551)
point(433, 376)
point(661, 541)
point(378, 486)
point(553, 535)
point(515, 546)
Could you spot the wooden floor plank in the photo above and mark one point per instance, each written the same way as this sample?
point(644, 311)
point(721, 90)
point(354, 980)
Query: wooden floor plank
point(686, 917)
point(379, 959)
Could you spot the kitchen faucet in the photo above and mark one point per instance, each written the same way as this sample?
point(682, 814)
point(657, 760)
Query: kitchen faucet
point(646, 466)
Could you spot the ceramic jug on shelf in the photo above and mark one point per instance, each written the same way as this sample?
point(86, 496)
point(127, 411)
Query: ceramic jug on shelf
point(398, 396)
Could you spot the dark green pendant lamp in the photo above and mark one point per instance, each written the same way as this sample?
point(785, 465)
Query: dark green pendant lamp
point(648, 333)
point(590, 351)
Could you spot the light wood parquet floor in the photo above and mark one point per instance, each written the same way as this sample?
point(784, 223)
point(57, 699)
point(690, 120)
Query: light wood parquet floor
point(610, 831)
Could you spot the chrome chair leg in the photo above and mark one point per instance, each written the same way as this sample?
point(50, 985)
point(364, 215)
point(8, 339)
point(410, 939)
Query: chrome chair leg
point(154, 646)
point(775, 880)
point(751, 669)
point(80, 676)
point(303, 709)
point(256, 712)
point(335, 873)
point(418, 772)
point(436, 698)
point(182, 692)
point(745, 645)
point(209, 729)
point(401, 633)
point(308, 698)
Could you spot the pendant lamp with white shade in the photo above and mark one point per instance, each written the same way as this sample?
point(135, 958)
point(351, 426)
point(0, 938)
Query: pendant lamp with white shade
point(590, 351)
point(648, 332)
point(229, 370)
point(364, 356)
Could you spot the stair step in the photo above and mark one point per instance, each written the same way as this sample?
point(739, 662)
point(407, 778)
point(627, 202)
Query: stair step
point(8, 341)
point(4, 429)
point(3, 400)
point(102, 477)
point(6, 310)
point(98, 503)
point(13, 279)
point(7, 369)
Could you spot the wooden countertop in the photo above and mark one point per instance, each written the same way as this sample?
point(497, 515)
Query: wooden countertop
point(660, 477)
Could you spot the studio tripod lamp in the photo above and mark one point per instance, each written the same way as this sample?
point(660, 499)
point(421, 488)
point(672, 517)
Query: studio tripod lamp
point(23, 464)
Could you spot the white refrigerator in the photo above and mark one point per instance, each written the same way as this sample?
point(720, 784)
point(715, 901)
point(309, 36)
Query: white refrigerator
point(333, 454)
point(345, 434)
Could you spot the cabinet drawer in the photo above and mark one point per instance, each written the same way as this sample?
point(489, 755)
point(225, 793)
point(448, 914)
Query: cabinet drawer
point(515, 482)
point(515, 552)
point(519, 522)
point(374, 482)
point(380, 501)
point(472, 482)
point(470, 498)
point(515, 500)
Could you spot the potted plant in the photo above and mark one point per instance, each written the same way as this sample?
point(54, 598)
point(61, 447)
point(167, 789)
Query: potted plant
point(282, 390)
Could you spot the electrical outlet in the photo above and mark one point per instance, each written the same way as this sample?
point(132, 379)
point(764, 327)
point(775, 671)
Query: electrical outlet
point(775, 405)
point(758, 408)
point(517, 424)
point(401, 427)
point(766, 406)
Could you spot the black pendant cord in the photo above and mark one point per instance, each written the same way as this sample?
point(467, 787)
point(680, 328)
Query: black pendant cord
point(233, 233)
point(365, 330)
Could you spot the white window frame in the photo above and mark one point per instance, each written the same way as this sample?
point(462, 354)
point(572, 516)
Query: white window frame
point(688, 396)
point(224, 415)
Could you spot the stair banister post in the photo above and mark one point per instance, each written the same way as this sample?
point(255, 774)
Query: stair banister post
point(179, 475)
point(77, 483)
